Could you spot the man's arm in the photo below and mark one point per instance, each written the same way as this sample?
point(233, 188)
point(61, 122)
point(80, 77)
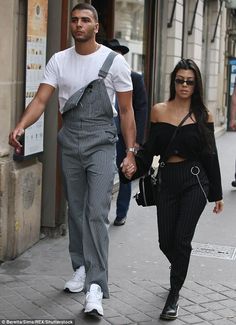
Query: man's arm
point(127, 124)
point(232, 123)
point(32, 113)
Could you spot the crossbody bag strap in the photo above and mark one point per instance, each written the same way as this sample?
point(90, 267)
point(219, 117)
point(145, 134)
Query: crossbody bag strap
point(163, 160)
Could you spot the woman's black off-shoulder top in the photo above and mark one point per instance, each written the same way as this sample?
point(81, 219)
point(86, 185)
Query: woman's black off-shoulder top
point(187, 144)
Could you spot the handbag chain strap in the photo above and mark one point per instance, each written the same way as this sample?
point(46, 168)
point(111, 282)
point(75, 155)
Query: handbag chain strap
point(163, 160)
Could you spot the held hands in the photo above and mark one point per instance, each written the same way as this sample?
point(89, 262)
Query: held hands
point(14, 137)
point(218, 206)
point(129, 165)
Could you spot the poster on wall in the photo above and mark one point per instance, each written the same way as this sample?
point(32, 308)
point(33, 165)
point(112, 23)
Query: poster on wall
point(37, 16)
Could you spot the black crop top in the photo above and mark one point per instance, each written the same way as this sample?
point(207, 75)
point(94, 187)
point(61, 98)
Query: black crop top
point(187, 144)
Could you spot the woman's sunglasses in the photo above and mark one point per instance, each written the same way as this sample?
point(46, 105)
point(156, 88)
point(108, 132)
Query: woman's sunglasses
point(182, 81)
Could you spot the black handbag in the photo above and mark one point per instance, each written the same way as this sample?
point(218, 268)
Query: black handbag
point(149, 184)
point(148, 187)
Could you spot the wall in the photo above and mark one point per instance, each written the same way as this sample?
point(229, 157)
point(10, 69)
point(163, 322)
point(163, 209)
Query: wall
point(20, 183)
point(199, 45)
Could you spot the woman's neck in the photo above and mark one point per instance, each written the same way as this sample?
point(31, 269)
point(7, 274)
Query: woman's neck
point(181, 105)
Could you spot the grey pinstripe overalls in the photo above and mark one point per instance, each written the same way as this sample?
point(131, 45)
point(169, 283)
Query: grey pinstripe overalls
point(87, 140)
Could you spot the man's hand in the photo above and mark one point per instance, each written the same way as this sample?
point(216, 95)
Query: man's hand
point(14, 137)
point(31, 114)
point(218, 206)
point(129, 165)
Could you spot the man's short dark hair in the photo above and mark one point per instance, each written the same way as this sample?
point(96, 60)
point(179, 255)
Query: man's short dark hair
point(86, 6)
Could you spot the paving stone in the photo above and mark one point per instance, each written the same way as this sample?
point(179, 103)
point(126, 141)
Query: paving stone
point(229, 285)
point(230, 293)
point(110, 312)
point(4, 305)
point(209, 316)
point(154, 314)
point(228, 303)
point(79, 297)
point(152, 322)
point(216, 296)
point(223, 322)
point(226, 313)
point(75, 309)
point(218, 287)
point(45, 289)
point(121, 307)
point(86, 320)
point(28, 293)
point(213, 305)
point(4, 292)
point(185, 302)
point(113, 287)
point(18, 314)
point(194, 309)
point(16, 300)
point(191, 319)
point(135, 302)
point(120, 320)
point(64, 299)
point(196, 298)
point(197, 287)
point(183, 311)
point(139, 317)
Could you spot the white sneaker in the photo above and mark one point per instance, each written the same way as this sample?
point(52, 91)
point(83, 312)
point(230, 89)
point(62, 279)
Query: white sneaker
point(93, 301)
point(76, 283)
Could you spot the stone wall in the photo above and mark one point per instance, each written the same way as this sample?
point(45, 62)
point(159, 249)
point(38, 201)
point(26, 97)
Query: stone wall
point(20, 183)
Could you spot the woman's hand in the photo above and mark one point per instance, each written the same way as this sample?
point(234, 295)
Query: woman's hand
point(218, 206)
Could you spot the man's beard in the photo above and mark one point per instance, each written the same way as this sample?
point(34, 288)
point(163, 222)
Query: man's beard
point(83, 38)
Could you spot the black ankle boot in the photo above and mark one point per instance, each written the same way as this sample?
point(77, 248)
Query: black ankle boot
point(170, 311)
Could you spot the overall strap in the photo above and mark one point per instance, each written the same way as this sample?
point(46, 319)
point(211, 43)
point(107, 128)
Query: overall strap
point(107, 64)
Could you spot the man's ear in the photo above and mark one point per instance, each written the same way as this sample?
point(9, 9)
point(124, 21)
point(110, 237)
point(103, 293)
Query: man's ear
point(96, 29)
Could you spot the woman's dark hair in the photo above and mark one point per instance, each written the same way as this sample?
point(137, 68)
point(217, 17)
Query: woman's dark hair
point(86, 6)
point(197, 105)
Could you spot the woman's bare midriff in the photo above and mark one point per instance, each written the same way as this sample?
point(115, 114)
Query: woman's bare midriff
point(175, 159)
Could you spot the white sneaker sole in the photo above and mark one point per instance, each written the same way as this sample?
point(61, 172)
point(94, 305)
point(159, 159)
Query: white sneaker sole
point(93, 310)
point(94, 313)
point(68, 289)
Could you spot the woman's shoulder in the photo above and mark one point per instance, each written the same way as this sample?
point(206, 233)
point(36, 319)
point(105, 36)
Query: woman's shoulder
point(157, 111)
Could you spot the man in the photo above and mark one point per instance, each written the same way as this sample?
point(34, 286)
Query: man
point(87, 75)
point(140, 113)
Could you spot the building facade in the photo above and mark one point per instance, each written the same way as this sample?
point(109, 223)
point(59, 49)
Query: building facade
point(158, 33)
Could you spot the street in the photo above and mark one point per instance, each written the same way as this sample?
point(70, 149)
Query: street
point(31, 285)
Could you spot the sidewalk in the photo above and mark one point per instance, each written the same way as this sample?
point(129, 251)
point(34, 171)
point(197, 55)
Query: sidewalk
point(31, 286)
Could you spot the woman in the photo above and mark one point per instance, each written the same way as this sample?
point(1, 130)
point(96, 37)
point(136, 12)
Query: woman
point(190, 176)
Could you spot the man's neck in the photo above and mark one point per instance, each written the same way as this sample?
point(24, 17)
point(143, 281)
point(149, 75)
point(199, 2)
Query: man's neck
point(85, 48)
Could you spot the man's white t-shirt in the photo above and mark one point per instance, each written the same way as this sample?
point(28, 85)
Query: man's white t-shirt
point(69, 71)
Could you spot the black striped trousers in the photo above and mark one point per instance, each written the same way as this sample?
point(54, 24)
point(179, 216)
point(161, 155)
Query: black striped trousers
point(180, 204)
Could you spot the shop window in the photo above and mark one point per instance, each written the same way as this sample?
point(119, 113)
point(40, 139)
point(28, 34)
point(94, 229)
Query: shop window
point(129, 22)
